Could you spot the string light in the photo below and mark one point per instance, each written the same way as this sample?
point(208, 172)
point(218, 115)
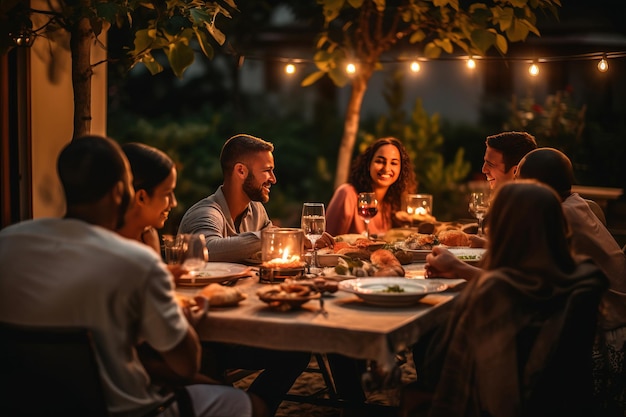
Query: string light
point(351, 68)
point(603, 65)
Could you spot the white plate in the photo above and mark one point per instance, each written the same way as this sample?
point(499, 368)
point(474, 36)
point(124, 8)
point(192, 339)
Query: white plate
point(419, 255)
point(371, 290)
point(215, 272)
point(469, 255)
point(328, 259)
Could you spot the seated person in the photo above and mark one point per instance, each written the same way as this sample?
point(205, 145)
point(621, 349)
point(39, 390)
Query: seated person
point(509, 346)
point(383, 168)
point(232, 218)
point(231, 221)
point(591, 239)
point(87, 275)
point(154, 181)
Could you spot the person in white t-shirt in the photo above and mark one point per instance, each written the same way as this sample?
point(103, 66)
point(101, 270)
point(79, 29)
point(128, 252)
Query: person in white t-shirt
point(76, 271)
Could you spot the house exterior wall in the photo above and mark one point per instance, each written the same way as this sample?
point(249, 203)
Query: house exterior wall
point(52, 108)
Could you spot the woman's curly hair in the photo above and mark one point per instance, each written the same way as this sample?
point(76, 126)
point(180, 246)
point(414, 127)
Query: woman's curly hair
point(362, 181)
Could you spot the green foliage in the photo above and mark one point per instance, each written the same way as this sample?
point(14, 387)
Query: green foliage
point(421, 135)
point(557, 121)
point(362, 30)
point(172, 27)
point(595, 147)
point(303, 151)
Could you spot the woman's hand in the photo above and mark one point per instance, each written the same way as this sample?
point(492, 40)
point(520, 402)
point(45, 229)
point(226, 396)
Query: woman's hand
point(441, 263)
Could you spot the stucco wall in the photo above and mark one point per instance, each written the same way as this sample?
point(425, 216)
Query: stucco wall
point(52, 115)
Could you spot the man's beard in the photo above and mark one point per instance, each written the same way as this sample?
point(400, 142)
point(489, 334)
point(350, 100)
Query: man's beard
point(254, 193)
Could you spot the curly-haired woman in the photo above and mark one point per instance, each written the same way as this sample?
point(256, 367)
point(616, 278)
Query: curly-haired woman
point(383, 168)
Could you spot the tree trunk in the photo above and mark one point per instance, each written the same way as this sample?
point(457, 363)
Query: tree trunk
point(81, 39)
point(350, 129)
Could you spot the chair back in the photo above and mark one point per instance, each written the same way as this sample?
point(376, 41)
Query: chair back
point(565, 386)
point(49, 371)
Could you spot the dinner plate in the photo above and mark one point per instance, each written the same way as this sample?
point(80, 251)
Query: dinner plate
point(419, 255)
point(469, 255)
point(215, 272)
point(383, 291)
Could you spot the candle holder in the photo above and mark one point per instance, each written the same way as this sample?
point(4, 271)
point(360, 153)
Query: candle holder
point(419, 205)
point(281, 254)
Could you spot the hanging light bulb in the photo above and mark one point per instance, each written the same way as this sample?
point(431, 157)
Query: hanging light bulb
point(471, 64)
point(603, 65)
point(290, 69)
point(24, 37)
point(415, 66)
point(533, 69)
point(350, 68)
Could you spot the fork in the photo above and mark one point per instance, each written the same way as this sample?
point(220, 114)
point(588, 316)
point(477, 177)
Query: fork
point(322, 310)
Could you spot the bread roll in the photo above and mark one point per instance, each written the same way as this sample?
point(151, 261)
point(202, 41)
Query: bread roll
point(219, 295)
point(390, 271)
point(453, 238)
point(383, 258)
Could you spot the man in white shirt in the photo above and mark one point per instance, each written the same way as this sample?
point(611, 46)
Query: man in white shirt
point(76, 271)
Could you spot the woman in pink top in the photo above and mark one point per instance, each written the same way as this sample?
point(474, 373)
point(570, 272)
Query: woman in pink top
point(383, 168)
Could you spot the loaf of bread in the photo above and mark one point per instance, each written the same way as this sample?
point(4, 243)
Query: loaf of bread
point(220, 295)
point(453, 238)
point(386, 264)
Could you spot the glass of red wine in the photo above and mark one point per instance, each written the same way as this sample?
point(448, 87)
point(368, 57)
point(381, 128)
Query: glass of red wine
point(367, 208)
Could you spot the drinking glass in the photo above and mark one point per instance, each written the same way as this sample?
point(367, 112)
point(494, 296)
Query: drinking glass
point(479, 206)
point(313, 224)
point(195, 254)
point(367, 208)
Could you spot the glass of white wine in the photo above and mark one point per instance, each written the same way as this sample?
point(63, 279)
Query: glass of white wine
point(479, 206)
point(195, 254)
point(313, 224)
point(367, 206)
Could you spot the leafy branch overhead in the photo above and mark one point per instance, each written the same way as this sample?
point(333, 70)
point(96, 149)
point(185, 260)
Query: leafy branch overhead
point(361, 30)
point(170, 27)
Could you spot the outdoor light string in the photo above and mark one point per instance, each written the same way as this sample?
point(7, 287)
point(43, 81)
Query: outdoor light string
point(471, 61)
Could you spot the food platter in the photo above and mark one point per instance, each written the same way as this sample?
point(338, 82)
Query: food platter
point(391, 291)
point(288, 296)
point(215, 272)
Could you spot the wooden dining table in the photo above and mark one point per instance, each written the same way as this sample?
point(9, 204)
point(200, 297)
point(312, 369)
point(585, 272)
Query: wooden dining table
point(345, 325)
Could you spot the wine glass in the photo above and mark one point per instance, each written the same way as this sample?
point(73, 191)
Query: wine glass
point(313, 223)
point(195, 254)
point(367, 208)
point(478, 206)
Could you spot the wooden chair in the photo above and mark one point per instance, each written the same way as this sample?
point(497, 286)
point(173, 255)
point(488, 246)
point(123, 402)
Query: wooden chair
point(53, 371)
point(564, 387)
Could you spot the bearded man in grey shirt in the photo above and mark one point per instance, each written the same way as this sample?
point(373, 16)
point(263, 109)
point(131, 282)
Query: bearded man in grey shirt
point(231, 221)
point(232, 218)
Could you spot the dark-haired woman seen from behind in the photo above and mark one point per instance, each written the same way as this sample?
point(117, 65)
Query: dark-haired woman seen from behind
point(518, 339)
